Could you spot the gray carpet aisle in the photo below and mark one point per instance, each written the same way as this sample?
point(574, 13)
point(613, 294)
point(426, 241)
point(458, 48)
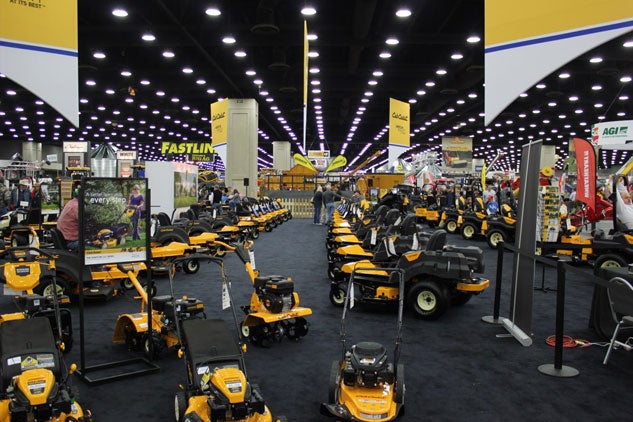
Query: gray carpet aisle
point(456, 368)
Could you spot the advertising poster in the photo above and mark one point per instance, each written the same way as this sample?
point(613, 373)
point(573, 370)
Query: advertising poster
point(185, 188)
point(114, 222)
point(457, 154)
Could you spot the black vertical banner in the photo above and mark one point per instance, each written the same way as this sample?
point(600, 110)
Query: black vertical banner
point(520, 321)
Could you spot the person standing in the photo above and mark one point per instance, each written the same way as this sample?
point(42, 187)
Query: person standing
point(215, 199)
point(5, 197)
point(68, 223)
point(329, 197)
point(317, 202)
point(20, 196)
point(136, 203)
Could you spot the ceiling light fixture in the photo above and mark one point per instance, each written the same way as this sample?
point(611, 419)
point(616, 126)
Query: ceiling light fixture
point(403, 13)
point(473, 39)
point(229, 39)
point(213, 11)
point(120, 13)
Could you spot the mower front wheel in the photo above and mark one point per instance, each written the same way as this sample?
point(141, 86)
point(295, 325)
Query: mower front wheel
point(428, 299)
point(495, 236)
point(468, 231)
point(245, 329)
point(451, 226)
point(157, 342)
point(255, 233)
point(180, 405)
point(610, 261)
point(333, 385)
point(45, 288)
point(191, 266)
point(337, 295)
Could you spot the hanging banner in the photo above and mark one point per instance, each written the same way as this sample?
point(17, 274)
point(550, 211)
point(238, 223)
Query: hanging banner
point(399, 128)
point(338, 162)
point(38, 50)
point(613, 135)
point(220, 127)
point(303, 161)
point(195, 151)
point(457, 154)
point(585, 172)
point(529, 40)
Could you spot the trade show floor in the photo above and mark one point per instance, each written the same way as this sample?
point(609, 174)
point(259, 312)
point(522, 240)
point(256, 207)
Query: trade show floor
point(457, 368)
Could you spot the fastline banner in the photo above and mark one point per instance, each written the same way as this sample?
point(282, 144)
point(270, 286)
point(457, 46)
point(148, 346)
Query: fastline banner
point(38, 50)
point(526, 41)
point(220, 127)
point(399, 128)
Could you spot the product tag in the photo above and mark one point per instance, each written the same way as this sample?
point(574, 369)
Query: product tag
point(226, 299)
point(351, 296)
point(374, 235)
point(251, 255)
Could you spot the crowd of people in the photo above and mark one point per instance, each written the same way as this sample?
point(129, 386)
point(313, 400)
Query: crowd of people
point(20, 196)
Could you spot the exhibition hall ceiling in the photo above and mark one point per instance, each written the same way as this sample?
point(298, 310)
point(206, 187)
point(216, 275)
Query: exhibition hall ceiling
point(149, 70)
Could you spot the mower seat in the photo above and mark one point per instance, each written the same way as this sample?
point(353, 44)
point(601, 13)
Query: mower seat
point(437, 241)
point(163, 219)
point(474, 255)
point(158, 302)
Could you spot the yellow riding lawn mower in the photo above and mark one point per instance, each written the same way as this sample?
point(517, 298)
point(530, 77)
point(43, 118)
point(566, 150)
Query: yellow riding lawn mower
point(274, 310)
point(364, 384)
point(217, 387)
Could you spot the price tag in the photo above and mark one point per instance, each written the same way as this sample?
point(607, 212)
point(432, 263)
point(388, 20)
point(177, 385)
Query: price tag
point(374, 235)
point(351, 296)
point(251, 255)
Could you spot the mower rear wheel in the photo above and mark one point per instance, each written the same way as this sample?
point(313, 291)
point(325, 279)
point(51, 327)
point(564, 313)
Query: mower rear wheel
point(333, 385)
point(494, 236)
point(337, 295)
point(297, 328)
point(398, 396)
point(610, 261)
point(45, 288)
point(255, 233)
point(245, 329)
point(468, 231)
point(180, 405)
point(451, 226)
point(428, 299)
point(191, 266)
point(268, 227)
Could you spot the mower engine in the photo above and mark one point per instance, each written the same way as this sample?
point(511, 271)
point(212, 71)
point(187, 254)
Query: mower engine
point(366, 366)
point(236, 399)
point(276, 293)
point(185, 308)
point(37, 396)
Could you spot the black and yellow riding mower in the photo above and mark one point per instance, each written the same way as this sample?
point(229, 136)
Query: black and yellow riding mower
point(167, 311)
point(364, 384)
point(435, 278)
point(392, 217)
point(217, 387)
point(21, 270)
point(274, 310)
point(223, 223)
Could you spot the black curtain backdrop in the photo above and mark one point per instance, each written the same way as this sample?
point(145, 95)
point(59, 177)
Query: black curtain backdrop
point(456, 367)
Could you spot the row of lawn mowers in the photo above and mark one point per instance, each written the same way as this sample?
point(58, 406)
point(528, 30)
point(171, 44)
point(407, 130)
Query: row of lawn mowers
point(436, 275)
point(599, 249)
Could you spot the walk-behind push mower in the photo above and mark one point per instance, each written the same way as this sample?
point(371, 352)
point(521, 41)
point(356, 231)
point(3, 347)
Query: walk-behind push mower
point(21, 269)
point(364, 385)
point(274, 310)
point(132, 329)
point(34, 380)
point(217, 387)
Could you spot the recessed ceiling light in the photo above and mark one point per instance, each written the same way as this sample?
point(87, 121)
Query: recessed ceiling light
point(573, 98)
point(308, 11)
point(145, 82)
point(312, 37)
point(564, 75)
point(403, 13)
point(441, 72)
point(187, 70)
point(99, 55)
point(148, 37)
point(421, 92)
point(596, 59)
point(628, 44)
point(541, 86)
point(119, 13)
point(391, 41)
point(228, 39)
point(126, 73)
point(168, 54)
point(201, 82)
point(596, 87)
point(473, 39)
point(213, 11)
point(523, 94)
point(240, 53)
point(250, 72)
point(314, 70)
point(429, 83)
point(384, 55)
point(313, 54)
point(457, 56)
point(625, 79)
point(372, 82)
point(377, 73)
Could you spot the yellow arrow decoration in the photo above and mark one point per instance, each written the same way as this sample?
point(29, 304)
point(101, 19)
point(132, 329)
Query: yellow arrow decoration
point(338, 161)
point(303, 161)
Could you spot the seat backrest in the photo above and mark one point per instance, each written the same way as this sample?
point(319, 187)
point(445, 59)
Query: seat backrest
point(620, 294)
point(437, 240)
point(57, 238)
point(163, 219)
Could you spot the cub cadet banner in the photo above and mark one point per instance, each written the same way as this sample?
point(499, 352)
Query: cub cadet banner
point(220, 127)
point(526, 41)
point(114, 222)
point(399, 128)
point(38, 50)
